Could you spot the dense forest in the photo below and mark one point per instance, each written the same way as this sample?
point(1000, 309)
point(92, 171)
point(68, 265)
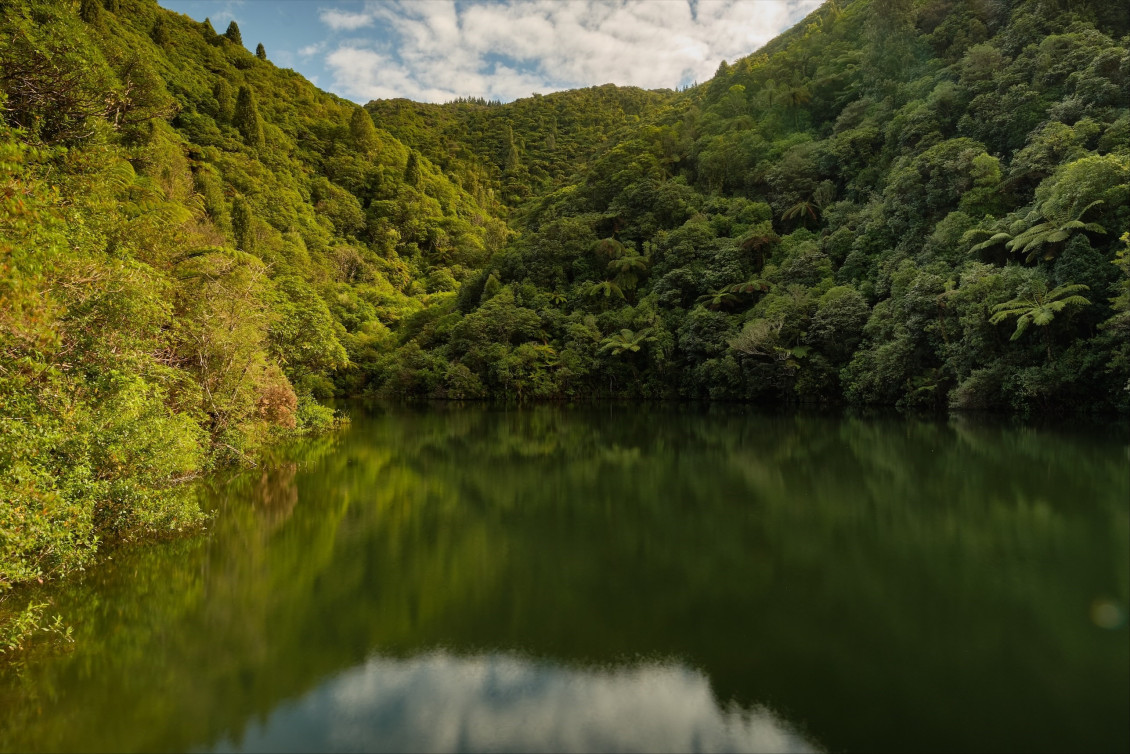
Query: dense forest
point(898, 203)
point(919, 203)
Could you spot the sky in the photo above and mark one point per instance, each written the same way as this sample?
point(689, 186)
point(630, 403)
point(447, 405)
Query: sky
point(439, 50)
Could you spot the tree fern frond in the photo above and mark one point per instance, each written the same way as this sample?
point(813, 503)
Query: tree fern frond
point(1021, 326)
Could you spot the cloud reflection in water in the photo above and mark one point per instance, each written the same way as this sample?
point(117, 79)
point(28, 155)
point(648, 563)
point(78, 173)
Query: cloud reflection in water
point(443, 702)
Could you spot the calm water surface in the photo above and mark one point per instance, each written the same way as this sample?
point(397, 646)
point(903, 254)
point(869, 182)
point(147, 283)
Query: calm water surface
point(617, 579)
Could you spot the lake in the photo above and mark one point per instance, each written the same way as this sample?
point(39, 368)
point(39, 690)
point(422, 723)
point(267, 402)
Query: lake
point(617, 578)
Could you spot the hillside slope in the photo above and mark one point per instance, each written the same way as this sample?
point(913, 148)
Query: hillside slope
point(523, 148)
point(896, 202)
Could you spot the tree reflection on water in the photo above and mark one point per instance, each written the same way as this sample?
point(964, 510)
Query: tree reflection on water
point(879, 583)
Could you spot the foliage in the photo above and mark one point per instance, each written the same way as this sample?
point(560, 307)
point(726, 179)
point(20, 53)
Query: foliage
point(1040, 309)
point(19, 629)
point(908, 172)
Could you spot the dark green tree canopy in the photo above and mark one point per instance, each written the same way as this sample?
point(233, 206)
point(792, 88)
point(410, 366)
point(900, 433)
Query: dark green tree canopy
point(241, 224)
point(246, 117)
point(160, 31)
point(362, 130)
point(90, 11)
point(233, 34)
point(261, 51)
point(412, 173)
point(225, 100)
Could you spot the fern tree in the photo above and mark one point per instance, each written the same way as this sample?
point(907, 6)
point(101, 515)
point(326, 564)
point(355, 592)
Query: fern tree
point(625, 341)
point(1052, 233)
point(1048, 236)
point(1040, 310)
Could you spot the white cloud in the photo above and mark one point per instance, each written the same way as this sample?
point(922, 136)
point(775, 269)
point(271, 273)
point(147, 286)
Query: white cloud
point(311, 49)
point(438, 50)
point(339, 20)
point(225, 15)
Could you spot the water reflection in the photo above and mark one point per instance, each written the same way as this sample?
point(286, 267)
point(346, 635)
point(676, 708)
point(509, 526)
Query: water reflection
point(275, 493)
point(872, 580)
point(443, 702)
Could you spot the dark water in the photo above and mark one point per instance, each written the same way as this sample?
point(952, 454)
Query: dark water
point(628, 578)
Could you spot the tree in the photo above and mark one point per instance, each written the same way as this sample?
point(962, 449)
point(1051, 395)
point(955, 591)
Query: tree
point(160, 31)
point(210, 34)
point(49, 88)
point(233, 34)
point(510, 162)
point(1052, 232)
point(261, 51)
point(803, 209)
point(241, 223)
point(625, 341)
point(90, 11)
point(412, 173)
point(812, 207)
point(1057, 227)
point(628, 269)
point(225, 101)
point(114, 6)
point(362, 130)
point(1040, 309)
point(797, 94)
point(605, 288)
point(246, 118)
point(718, 299)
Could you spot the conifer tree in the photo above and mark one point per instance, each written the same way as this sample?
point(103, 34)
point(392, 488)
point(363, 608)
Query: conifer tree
point(210, 34)
point(233, 33)
point(412, 170)
point(90, 11)
point(225, 101)
point(261, 52)
point(551, 135)
point(160, 32)
point(510, 156)
point(362, 130)
point(246, 118)
point(241, 225)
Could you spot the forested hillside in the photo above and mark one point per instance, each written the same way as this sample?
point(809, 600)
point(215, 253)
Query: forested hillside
point(918, 204)
point(193, 243)
point(524, 148)
point(897, 202)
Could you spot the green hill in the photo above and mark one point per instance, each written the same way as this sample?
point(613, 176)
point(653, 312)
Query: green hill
point(523, 148)
point(194, 243)
point(896, 202)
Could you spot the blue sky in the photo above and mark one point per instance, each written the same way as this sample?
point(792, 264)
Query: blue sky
point(437, 50)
